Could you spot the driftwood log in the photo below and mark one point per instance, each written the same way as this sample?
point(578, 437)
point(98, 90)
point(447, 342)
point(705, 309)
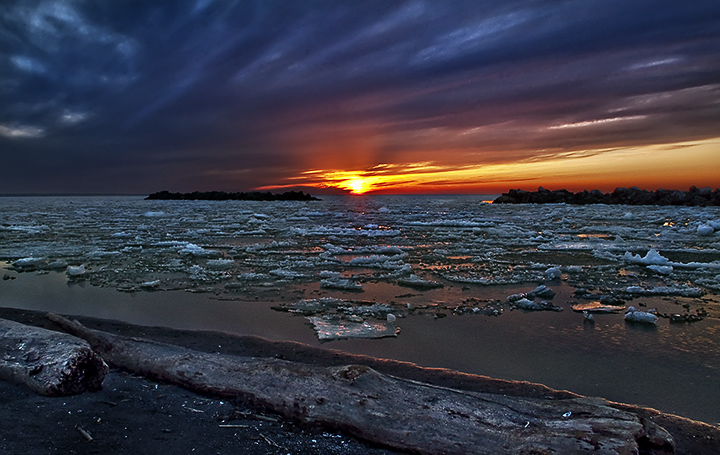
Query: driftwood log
point(400, 413)
point(50, 363)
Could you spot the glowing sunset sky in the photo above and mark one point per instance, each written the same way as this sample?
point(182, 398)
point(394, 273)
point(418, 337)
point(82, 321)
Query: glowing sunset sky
point(390, 96)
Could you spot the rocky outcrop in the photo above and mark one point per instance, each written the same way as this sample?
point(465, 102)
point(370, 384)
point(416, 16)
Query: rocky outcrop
point(701, 197)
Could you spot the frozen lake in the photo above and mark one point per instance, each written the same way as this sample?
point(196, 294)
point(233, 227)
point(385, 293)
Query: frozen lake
point(443, 267)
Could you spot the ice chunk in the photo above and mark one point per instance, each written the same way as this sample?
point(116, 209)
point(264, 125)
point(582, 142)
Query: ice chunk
point(75, 271)
point(542, 291)
point(150, 285)
point(191, 249)
point(415, 281)
point(332, 249)
point(28, 263)
point(340, 283)
point(336, 329)
point(633, 315)
point(377, 261)
point(252, 276)
point(57, 265)
point(526, 304)
point(651, 258)
point(285, 273)
point(310, 307)
point(705, 229)
point(662, 269)
point(220, 264)
point(388, 250)
point(553, 273)
point(330, 274)
point(157, 214)
point(259, 247)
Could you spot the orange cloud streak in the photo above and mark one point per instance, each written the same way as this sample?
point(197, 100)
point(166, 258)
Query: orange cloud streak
point(670, 166)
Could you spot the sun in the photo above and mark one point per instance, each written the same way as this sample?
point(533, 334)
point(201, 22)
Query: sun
point(357, 186)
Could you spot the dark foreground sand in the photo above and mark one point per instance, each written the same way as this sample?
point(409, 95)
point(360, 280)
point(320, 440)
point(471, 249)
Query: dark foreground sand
point(135, 415)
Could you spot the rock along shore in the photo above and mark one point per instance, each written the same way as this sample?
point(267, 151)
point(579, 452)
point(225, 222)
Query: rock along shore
point(700, 197)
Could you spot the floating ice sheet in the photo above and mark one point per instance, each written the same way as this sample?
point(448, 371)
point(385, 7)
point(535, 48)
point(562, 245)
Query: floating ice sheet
point(339, 329)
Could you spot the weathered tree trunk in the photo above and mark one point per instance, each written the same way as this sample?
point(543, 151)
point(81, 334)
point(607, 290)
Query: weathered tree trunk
point(400, 413)
point(50, 363)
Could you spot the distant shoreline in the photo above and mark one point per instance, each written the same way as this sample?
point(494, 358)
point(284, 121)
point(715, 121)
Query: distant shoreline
point(697, 197)
point(223, 196)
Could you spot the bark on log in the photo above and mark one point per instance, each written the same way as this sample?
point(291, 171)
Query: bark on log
point(50, 363)
point(400, 413)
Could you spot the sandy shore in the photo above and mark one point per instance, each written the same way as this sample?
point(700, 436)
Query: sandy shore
point(135, 415)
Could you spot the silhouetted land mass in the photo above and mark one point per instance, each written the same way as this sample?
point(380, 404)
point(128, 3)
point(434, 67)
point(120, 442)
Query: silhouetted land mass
point(223, 196)
point(700, 197)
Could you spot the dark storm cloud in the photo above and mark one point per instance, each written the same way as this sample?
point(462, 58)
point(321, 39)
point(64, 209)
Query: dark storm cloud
point(125, 95)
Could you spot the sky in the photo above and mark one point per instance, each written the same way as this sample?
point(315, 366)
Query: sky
point(119, 96)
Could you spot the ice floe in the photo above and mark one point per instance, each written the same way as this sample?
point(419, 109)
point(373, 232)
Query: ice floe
point(531, 305)
point(377, 261)
point(651, 258)
point(76, 271)
point(553, 273)
point(285, 274)
point(661, 269)
point(340, 283)
point(705, 230)
point(28, 263)
point(415, 281)
point(220, 264)
point(643, 317)
point(190, 249)
point(683, 290)
point(335, 329)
